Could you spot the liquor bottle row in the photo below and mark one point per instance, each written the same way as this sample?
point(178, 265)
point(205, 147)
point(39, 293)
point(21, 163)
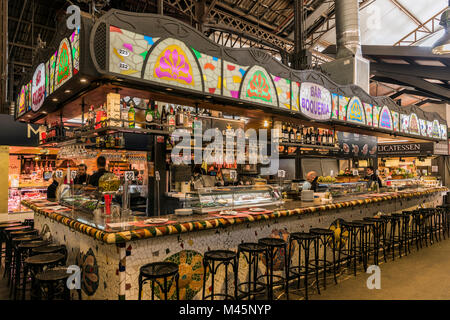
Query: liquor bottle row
point(110, 141)
point(290, 133)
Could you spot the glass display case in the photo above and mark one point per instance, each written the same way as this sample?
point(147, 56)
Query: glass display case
point(343, 189)
point(238, 197)
point(16, 195)
point(401, 184)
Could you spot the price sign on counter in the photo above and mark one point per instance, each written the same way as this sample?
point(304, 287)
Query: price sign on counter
point(59, 173)
point(129, 175)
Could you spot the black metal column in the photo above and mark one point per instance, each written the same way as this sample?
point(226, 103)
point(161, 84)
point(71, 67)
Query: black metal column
point(3, 55)
point(299, 60)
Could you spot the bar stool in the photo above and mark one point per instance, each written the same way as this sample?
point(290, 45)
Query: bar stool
point(9, 250)
point(368, 236)
point(445, 208)
point(304, 241)
point(419, 228)
point(22, 252)
point(402, 227)
point(378, 240)
point(36, 264)
point(393, 239)
point(159, 270)
point(352, 252)
point(3, 237)
point(221, 257)
point(51, 248)
point(250, 252)
point(273, 247)
point(15, 239)
point(325, 236)
point(427, 228)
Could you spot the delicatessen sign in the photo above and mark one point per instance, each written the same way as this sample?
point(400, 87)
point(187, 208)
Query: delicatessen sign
point(405, 149)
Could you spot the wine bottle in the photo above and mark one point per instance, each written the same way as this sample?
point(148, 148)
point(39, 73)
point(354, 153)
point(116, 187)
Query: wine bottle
point(131, 116)
point(312, 137)
point(149, 115)
point(180, 117)
point(308, 137)
point(292, 135)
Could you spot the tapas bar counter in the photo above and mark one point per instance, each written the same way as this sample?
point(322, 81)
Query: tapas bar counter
point(110, 251)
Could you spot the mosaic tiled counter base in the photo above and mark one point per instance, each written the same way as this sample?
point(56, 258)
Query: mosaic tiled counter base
point(110, 261)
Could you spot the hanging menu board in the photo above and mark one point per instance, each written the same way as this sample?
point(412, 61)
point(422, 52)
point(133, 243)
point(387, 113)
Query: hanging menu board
point(353, 145)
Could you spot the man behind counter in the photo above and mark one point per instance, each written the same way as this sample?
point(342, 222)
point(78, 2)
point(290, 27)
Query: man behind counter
point(82, 176)
point(372, 176)
point(101, 165)
point(311, 181)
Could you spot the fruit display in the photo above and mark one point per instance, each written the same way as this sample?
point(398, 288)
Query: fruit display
point(108, 182)
point(327, 179)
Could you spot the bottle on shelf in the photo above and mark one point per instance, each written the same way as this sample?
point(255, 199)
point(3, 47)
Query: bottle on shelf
point(313, 136)
point(179, 117)
point(156, 115)
point(91, 116)
point(149, 115)
point(330, 138)
point(164, 115)
point(131, 116)
point(103, 116)
point(171, 121)
point(292, 135)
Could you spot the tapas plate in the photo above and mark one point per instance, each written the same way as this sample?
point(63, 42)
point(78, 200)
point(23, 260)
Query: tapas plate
point(256, 209)
point(156, 220)
point(228, 213)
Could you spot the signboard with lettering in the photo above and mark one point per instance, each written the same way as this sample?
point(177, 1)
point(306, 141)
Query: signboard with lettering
point(405, 149)
point(38, 88)
point(315, 101)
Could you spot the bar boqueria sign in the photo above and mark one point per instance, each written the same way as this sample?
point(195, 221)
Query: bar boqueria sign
point(167, 54)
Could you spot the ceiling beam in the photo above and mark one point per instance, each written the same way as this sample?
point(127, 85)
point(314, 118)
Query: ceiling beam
point(410, 15)
point(418, 83)
point(428, 72)
point(17, 28)
point(35, 24)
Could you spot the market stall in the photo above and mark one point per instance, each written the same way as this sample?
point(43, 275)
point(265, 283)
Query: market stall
point(131, 80)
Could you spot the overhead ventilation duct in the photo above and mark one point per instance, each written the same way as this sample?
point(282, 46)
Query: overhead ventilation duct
point(349, 67)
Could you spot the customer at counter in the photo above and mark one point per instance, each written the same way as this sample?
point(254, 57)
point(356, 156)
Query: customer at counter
point(101, 165)
point(311, 181)
point(51, 190)
point(372, 176)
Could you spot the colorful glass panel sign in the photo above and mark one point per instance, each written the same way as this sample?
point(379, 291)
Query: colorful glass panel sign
point(376, 115)
point(315, 101)
point(334, 106)
point(21, 100)
point(369, 116)
point(63, 71)
point(436, 129)
point(429, 128)
point(52, 72)
point(423, 127)
point(295, 100)
point(343, 103)
point(414, 127)
point(172, 62)
point(211, 68)
point(404, 123)
point(232, 78)
point(257, 86)
point(38, 87)
point(75, 44)
point(444, 134)
point(128, 51)
point(355, 111)
point(395, 120)
point(385, 119)
point(283, 89)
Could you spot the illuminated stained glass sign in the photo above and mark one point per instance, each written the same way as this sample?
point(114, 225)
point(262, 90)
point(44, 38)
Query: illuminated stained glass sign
point(355, 111)
point(315, 101)
point(38, 88)
point(414, 125)
point(63, 71)
point(385, 118)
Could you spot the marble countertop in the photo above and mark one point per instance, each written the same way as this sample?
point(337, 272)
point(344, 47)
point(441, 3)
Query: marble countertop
point(118, 230)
